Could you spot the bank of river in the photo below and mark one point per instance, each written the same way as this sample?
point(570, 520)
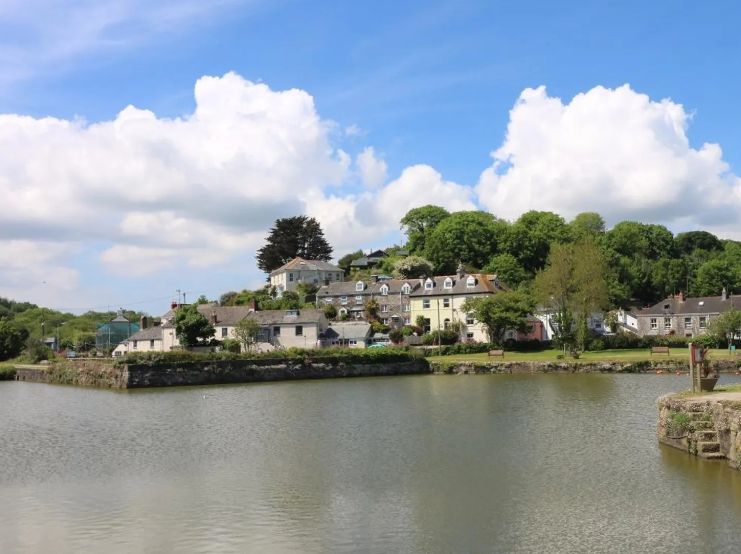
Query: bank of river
point(512, 463)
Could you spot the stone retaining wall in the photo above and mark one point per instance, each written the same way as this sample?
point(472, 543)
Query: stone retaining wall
point(505, 367)
point(167, 374)
point(707, 428)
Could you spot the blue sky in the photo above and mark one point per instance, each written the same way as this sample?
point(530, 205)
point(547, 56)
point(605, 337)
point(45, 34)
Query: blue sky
point(429, 87)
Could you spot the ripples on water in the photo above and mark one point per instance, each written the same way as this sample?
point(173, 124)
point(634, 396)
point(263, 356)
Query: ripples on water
point(547, 463)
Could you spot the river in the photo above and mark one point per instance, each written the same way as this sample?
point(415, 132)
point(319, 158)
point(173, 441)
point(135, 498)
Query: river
point(541, 463)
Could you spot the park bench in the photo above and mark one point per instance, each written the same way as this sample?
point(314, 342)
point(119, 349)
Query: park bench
point(496, 353)
point(659, 350)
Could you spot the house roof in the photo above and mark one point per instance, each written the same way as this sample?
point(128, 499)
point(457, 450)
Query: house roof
point(674, 305)
point(230, 316)
point(349, 330)
point(150, 333)
point(347, 288)
point(483, 284)
point(305, 265)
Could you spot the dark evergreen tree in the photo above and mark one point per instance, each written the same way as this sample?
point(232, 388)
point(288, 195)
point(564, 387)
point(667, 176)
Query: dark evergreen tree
point(291, 237)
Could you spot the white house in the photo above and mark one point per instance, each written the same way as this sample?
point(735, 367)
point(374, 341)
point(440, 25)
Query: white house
point(311, 272)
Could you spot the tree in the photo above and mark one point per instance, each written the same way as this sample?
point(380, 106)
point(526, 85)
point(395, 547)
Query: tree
point(247, 332)
point(688, 242)
point(202, 300)
point(587, 225)
point(371, 310)
point(291, 237)
point(191, 327)
point(529, 239)
point(643, 240)
point(669, 275)
point(412, 267)
point(713, 276)
point(12, 339)
point(330, 312)
point(508, 269)
point(467, 237)
point(507, 310)
point(573, 286)
point(418, 223)
point(345, 261)
point(726, 326)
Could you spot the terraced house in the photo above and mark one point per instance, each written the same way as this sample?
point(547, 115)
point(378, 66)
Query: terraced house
point(392, 295)
point(688, 317)
point(311, 272)
point(439, 300)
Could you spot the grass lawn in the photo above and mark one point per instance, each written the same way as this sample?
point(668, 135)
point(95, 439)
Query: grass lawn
point(625, 355)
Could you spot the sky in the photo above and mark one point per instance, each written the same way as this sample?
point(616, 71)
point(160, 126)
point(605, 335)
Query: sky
point(147, 146)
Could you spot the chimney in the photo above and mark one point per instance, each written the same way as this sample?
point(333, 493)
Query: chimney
point(214, 319)
point(461, 271)
point(254, 304)
point(680, 296)
point(724, 294)
point(173, 305)
point(143, 322)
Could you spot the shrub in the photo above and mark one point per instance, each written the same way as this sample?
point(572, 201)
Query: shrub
point(231, 345)
point(396, 336)
point(445, 336)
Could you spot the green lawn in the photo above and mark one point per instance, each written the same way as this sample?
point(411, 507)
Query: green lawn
point(626, 355)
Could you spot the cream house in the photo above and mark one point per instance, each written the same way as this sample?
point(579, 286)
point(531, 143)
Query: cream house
point(298, 270)
point(439, 300)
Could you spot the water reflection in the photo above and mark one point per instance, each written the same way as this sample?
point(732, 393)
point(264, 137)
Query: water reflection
point(564, 463)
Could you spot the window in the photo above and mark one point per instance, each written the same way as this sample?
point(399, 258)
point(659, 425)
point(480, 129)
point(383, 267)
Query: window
point(446, 302)
point(327, 300)
point(425, 303)
point(385, 308)
point(406, 289)
point(276, 331)
point(135, 344)
point(469, 336)
point(384, 290)
point(385, 320)
point(667, 323)
point(343, 299)
point(703, 322)
point(299, 330)
point(469, 319)
point(338, 276)
point(352, 342)
point(448, 284)
point(688, 323)
point(429, 284)
point(290, 276)
point(470, 282)
point(407, 321)
point(359, 286)
point(407, 308)
point(224, 332)
point(151, 343)
point(654, 324)
point(358, 299)
point(446, 323)
point(666, 306)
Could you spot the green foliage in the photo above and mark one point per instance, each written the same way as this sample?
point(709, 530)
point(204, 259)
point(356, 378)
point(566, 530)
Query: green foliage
point(677, 423)
point(419, 223)
point(396, 336)
point(36, 351)
point(247, 332)
point(290, 237)
point(370, 310)
point(531, 236)
point(508, 269)
point(687, 243)
point(727, 326)
point(714, 275)
point(500, 312)
point(330, 312)
point(231, 345)
point(444, 336)
point(412, 267)
point(345, 261)
point(587, 225)
point(12, 339)
point(467, 237)
point(7, 372)
point(191, 327)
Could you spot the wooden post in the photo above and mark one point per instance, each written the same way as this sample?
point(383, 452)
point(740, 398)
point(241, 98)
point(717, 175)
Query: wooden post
point(692, 368)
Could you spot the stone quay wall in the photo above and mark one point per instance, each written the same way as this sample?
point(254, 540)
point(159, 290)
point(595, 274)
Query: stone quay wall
point(167, 374)
point(705, 427)
point(507, 367)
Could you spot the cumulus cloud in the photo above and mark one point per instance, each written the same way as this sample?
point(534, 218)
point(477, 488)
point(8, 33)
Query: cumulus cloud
point(613, 151)
point(372, 169)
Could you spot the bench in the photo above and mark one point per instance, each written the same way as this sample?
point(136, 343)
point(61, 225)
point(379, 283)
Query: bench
point(659, 350)
point(496, 353)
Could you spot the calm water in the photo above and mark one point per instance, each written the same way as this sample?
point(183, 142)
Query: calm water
point(549, 463)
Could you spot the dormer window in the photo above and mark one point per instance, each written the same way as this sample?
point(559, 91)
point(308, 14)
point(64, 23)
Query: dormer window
point(384, 290)
point(359, 286)
point(448, 284)
point(406, 289)
point(429, 284)
point(470, 282)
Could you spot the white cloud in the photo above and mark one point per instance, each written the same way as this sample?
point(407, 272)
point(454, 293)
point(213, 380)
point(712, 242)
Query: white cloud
point(373, 170)
point(613, 151)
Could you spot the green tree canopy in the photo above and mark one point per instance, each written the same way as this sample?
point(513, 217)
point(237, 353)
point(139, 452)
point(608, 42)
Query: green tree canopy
point(412, 267)
point(247, 332)
point(587, 225)
point(688, 242)
point(726, 326)
point(345, 261)
point(191, 327)
point(713, 276)
point(12, 339)
point(418, 223)
point(500, 312)
point(508, 269)
point(467, 237)
point(529, 239)
point(290, 237)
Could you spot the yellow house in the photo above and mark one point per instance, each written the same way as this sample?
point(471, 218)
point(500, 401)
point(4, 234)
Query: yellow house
point(439, 300)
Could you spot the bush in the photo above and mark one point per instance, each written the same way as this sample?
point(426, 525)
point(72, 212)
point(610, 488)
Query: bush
point(36, 351)
point(396, 336)
point(446, 336)
point(231, 345)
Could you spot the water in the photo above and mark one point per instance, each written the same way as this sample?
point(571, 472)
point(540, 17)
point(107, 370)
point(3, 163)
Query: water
point(546, 463)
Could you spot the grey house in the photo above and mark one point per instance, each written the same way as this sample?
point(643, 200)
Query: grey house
point(685, 317)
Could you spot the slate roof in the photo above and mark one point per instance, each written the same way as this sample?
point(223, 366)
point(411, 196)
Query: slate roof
point(484, 283)
point(306, 265)
point(229, 316)
point(348, 330)
point(347, 288)
point(701, 305)
point(150, 333)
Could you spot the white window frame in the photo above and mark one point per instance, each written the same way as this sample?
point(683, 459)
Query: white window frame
point(448, 284)
point(667, 323)
point(343, 300)
point(385, 308)
point(407, 308)
point(688, 323)
point(406, 289)
point(703, 322)
point(426, 304)
point(654, 323)
point(384, 290)
point(290, 277)
point(446, 302)
point(359, 286)
point(470, 282)
point(358, 299)
point(470, 320)
point(429, 283)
